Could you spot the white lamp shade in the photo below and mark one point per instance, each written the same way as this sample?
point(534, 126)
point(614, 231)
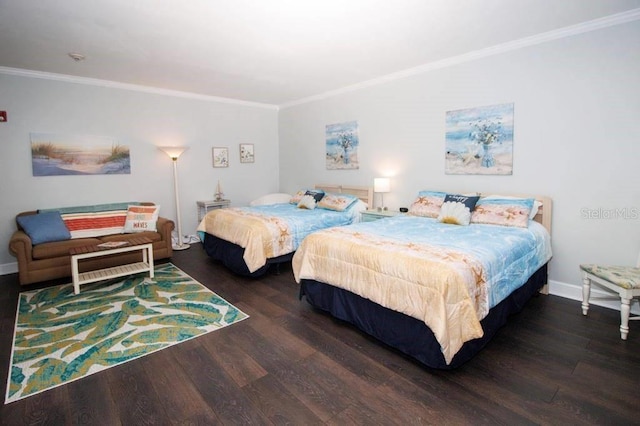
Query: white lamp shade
point(173, 151)
point(381, 185)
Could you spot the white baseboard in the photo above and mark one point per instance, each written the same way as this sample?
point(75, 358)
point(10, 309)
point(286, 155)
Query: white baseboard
point(9, 268)
point(574, 292)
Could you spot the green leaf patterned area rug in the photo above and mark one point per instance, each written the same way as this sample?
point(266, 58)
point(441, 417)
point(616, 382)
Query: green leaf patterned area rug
point(60, 337)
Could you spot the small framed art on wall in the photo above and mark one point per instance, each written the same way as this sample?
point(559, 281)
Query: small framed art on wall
point(246, 153)
point(220, 157)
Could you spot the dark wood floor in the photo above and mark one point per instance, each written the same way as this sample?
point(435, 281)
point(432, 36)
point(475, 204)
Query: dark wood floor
point(289, 364)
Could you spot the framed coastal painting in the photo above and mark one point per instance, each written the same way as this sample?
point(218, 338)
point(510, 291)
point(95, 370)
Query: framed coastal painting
point(220, 157)
point(246, 153)
point(342, 146)
point(479, 141)
point(55, 155)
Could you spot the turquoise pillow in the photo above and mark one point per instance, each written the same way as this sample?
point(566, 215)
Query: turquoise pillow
point(44, 227)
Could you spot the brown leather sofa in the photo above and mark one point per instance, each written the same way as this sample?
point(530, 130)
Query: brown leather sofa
point(51, 260)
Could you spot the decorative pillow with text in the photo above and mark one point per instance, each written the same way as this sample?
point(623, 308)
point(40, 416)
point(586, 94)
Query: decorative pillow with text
point(141, 218)
point(456, 209)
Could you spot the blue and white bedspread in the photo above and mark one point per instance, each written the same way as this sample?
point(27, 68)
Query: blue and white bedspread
point(273, 230)
point(448, 276)
point(509, 255)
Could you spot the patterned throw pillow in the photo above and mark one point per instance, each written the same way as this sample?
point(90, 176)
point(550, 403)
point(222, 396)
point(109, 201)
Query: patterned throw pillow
point(503, 211)
point(532, 214)
point(141, 218)
point(427, 204)
point(456, 209)
point(337, 202)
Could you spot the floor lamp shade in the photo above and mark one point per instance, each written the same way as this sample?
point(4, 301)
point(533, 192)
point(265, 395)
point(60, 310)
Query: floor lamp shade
point(174, 152)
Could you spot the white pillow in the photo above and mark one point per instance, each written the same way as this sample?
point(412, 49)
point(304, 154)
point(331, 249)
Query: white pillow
point(307, 202)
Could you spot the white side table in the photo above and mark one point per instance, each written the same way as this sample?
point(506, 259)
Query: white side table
point(371, 215)
point(205, 206)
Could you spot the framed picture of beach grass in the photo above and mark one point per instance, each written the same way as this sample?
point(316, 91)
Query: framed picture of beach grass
point(56, 155)
point(220, 157)
point(479, 141)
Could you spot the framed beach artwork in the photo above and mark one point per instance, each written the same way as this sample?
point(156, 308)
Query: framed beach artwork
point(479, 141)
point(55, 155)
point(220, 157)
point(342, 146)
point(246, 153)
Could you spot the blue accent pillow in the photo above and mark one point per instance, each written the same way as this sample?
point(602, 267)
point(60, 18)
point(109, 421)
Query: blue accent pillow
point(44, 227)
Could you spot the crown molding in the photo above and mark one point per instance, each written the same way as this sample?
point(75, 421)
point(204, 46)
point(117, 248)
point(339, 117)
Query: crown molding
point(584, 27)
point(126, 86)
point(588, 26)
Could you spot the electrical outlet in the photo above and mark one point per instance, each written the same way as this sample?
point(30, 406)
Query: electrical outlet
point(3, 116)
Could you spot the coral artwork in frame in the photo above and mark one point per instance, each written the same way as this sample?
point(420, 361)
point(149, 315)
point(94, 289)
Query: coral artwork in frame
point(220, 157)
point(246, 153)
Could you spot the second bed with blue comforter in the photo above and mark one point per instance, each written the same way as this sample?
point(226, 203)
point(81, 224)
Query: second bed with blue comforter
point(446, 276)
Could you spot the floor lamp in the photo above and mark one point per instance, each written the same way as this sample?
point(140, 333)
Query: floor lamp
point(174, 152)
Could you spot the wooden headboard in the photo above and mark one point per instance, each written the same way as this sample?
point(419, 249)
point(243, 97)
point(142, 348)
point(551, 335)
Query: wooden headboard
point(544, 212)
point(365, 193)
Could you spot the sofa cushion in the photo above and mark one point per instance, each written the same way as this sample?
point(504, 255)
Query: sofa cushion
point(44, 227)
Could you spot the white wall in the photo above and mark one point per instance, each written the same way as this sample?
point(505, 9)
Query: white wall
point(141, 121)
point(577, 115)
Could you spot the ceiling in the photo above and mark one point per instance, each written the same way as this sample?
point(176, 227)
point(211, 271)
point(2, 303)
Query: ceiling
point(274, 52)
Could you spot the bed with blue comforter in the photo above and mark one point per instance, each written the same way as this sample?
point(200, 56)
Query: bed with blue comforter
point(437, 292)
point(249, 239)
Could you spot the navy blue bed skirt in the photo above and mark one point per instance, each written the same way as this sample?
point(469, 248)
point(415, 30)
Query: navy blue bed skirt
point(230, 255)
point(407, 334)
